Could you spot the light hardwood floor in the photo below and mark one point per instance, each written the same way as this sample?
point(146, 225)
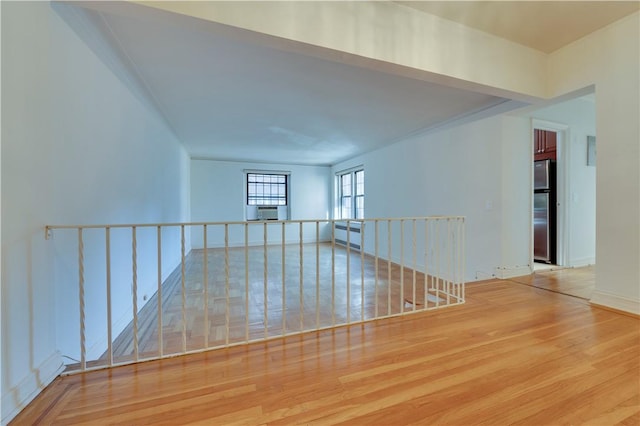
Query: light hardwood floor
point(577, 282)
point(303, 307)
point(513, 354)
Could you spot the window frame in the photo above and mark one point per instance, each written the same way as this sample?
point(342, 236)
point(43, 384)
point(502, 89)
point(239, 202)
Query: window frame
point(252, 200)
point(350, 206)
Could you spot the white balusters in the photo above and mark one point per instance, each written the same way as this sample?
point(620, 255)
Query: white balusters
point(134, 290)
point(159, 292)
point(227, 286)
point(205, 284)
point(108, 272)
point(83, 349)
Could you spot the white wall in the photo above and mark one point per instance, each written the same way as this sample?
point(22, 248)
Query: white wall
point(52, 82)
point(482, 170)
point(77, 147)
point(610, 59)
point(217, 195)
point(451, 172)
point(1, 280)
point(516, 197)
point(423, 46)
point(580, 117)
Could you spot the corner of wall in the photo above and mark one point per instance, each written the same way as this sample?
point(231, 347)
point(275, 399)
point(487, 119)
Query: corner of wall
point(610, 300)
point(18, 397)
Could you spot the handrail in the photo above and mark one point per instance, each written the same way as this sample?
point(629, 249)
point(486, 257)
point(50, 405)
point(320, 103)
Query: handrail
point(284, 280)
point(239, 222)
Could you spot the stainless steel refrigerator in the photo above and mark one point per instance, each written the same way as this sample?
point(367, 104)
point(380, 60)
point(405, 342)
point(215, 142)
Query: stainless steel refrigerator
point(544, 211)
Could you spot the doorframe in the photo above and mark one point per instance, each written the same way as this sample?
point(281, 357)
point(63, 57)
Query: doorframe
point(562, 188)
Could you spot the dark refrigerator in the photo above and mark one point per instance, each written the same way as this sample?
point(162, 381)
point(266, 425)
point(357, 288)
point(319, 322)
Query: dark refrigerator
point(544, 211)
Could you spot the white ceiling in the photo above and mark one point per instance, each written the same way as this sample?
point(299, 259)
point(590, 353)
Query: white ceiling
point(229, 99)
point(541, 25)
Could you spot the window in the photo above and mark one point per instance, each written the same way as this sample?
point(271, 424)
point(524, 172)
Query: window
point(351, 194)
point(359, 175)
point(266, 189)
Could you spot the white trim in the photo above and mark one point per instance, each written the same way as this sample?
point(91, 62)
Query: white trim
point(614, 301)
point(582, 261)
point(353, 223)
point(18, 397)
point(548, 125)
point(505, 272)
point(353, 171)
point(350, 170)
point(2, 341)
point(260, 243)
point(245, 174)
point(267, 172)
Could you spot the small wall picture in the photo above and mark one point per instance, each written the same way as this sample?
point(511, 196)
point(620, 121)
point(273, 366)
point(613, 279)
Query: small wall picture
point(591, 151)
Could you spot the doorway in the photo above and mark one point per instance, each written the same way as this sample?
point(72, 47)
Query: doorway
point(574, 123)
point(544, 196)
point(548, 193)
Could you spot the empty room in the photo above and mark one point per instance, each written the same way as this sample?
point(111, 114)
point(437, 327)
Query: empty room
point(369, 212)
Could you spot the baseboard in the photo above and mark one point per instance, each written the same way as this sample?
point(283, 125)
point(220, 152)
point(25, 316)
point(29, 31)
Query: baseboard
point(613, 301)
point(343, 243)
point(260, 243)
point(24, 392)
point(583, 261)
point(505, 272)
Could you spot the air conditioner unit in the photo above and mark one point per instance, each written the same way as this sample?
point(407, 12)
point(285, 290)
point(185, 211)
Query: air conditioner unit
point(267, 212)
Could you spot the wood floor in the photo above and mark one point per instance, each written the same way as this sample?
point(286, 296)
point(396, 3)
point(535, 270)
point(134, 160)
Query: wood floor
point(291, 306)
point(577, 282)
point(513, 354)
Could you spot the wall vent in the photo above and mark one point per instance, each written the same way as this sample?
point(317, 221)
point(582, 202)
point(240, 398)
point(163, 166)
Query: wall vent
point(341, 230)
point(267, 212)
